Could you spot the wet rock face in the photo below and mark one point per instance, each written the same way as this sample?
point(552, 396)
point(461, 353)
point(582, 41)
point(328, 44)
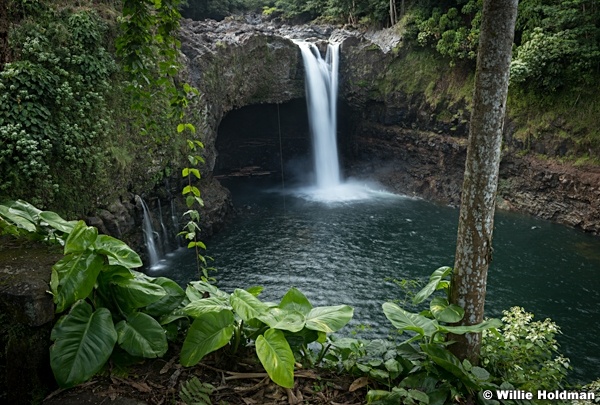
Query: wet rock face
point(26, 318)
point(396, 136)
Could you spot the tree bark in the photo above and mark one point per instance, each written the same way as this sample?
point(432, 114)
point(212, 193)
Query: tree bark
point(476, 221)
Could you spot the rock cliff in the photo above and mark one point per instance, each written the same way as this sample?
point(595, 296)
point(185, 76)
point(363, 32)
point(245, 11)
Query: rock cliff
point(413, 141)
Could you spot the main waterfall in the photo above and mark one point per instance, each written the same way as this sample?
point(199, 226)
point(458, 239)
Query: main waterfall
point(321, 95)
point(321, 84)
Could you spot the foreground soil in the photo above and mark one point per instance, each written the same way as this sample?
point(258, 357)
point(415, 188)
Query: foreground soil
point(160, 382)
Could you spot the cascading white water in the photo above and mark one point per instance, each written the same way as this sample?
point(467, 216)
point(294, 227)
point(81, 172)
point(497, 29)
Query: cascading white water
point(321, 94)
point(164, 240)
point(149, 233)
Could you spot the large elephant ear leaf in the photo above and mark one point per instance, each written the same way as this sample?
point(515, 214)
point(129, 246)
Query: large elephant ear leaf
point(169, 302)
point(141, 335)
point(209, 332)
point(74, 277)
point(117, 251)
point(329, 319)
point(294, 300)
point(81, 238)
point(436, 280)
point(276, 356)
point(84, 341)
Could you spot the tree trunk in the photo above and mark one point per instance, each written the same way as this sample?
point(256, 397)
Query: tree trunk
point(475, 226)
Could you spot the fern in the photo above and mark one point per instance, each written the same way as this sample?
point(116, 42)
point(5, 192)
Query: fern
point(193, 392)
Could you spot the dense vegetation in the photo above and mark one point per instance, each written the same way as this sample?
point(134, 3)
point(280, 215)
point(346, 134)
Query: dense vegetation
point(68, 136)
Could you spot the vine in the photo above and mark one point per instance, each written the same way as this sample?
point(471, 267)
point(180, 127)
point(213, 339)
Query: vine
point(149, 50)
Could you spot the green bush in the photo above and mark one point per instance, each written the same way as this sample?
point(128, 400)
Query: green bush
point(52, 106)
point(524, 352)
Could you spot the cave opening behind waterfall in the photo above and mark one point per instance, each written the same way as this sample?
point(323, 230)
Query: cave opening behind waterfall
point(260, 139)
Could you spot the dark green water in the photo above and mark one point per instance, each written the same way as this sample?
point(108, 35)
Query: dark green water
point(342, 253)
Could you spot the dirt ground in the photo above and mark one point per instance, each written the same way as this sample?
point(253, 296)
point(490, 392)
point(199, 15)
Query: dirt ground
point(160, 381)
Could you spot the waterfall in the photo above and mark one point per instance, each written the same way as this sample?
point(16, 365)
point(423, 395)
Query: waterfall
point(321, 95)
point(149, 235)
point(164, 243)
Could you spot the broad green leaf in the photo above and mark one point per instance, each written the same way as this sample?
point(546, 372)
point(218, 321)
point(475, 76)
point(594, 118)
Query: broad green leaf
point(208, 333)
point(255, 290)
point(25, 210)
point(16, 219)
point(172, 317)
point(136, 293)
point(76, 275)
point(419, 396)
point(294, 300)
point(57, 222)
point(276, 356)
point(197, 290)
point(404, 320)
point(478, 328)
point(247, 306)
point(81, 238)
point(480, 373)
point(434, 282)
point(443, 311)
point(302, 338)
point(329, 319)
point(83, 343)
point(288, 320)
point(449, 362)
point(117, 251)
point(199, 307)
point(169, 302)
point(141, 335)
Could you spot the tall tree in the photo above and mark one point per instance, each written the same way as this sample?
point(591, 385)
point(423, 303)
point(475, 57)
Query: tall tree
point(476, 222)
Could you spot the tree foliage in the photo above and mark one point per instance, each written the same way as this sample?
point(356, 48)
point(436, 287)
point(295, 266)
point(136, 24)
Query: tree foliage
point(52, 105)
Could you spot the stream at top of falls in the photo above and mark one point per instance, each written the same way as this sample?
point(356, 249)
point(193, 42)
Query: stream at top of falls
point(349, 252)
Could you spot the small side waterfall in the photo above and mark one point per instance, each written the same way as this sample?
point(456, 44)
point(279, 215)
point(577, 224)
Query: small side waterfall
point(321, 95)
point(165, 235)
point(150, 236)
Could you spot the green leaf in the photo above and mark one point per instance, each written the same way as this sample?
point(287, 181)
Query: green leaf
point(57, 222)
point(443, 311)
point(141, 335)
point(16, 219)
point(434, 282)
point(276, 356)
point(288, 320)
point(478, 328)
point(255, 290)
point(247, 306)
point(404, 320)
point(480, 373)
point(197, 289)
point(180, 128)
point(83, 343)
point(136, 293)
point(329, 319)
point(25, 210)
point(76, 275)
point(169, 302)
point(208, 333)
point(202, 306)
point(117, 251)
point(449, 362)
point(294, 300)
point(81, 238)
